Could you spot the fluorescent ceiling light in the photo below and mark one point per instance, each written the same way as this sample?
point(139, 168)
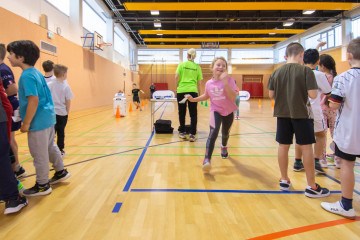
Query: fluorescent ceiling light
point(272, 33)
point(308, 12)
point(154, 12)
point(157, 24)
point(159, 34)
point(289, 22)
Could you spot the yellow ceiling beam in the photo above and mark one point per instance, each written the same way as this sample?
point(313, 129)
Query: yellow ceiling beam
point(221, 46)
point(230, 31)
point(213, 39)
point(237, 6)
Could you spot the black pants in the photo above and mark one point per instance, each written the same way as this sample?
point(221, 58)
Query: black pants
point(215, 122)
point(8, 182)
point(192, 111)
point(61, 122)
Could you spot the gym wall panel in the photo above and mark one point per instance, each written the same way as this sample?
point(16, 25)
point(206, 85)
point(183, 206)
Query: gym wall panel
point(93, 79)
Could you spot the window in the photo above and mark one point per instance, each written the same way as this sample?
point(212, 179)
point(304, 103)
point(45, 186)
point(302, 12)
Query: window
point(204, 56)
point(92, 21)
point(119, 41)
point(148, 56)
point(355, 25)
point(332, 38)
point(62, 5)
point(252, 56)
point(281, 54)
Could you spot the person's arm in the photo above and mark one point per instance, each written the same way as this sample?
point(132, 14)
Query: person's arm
point(141, 91)
point(321, 44)
point(313, 93)
point(33, 102)
point(11, 90)
point(271, 94)
point(67, 104)
point(197, 99)
point(228, 89)
point(177, 76)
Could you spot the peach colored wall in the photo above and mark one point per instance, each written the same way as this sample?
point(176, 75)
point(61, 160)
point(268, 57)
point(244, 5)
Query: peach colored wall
point(93, 79)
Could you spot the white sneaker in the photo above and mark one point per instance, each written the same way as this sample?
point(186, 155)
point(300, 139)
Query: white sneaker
point(338, 209)
point(337, 163)
point(323, 163)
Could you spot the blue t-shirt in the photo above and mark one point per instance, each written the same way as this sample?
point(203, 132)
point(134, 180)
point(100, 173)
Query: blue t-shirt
point(32, 83)
point(7, 77)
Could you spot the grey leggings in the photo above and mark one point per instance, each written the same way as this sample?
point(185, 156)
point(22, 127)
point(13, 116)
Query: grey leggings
point(215, 121)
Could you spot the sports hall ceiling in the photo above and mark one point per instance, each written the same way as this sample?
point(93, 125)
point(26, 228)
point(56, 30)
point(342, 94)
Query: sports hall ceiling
point(188, 23)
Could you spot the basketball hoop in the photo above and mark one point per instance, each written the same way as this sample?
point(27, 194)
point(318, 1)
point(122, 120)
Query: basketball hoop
point(210, 45)
point(104, 44)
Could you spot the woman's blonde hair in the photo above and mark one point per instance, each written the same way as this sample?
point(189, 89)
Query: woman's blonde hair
point(191, 54)
point(218, 58)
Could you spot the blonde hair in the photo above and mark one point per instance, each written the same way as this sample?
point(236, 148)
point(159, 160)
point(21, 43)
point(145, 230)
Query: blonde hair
point(354, 48)
point(191, 54)
point(218, 58)
point(59, 70)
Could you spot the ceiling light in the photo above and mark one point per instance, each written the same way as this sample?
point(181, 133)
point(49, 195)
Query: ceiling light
point(159, 34)
point(308, 12)
point(157, 23)
point(289, 22)
point(154, 12)
point(272, 33)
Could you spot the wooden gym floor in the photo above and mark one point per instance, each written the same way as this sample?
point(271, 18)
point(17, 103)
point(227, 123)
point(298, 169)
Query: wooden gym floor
point(130, 184)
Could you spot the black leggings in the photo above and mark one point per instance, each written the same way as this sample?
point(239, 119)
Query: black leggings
point(215, 121)
point(192, 111)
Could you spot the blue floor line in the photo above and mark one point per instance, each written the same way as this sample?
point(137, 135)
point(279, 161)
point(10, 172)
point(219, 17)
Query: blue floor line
point(220, 191)
point(133, 173)
point(117, 207)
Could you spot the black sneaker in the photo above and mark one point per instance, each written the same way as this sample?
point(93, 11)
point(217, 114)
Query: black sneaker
point(21, 173)
point(192, 138)
point(38, 190)
point(63, 153)
point(13, 206)
point(316, 193)
point(318, 168)
point(60, 176)
point(298, 166)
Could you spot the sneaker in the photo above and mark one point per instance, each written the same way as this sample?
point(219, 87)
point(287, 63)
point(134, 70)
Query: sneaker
point(298, 166)
point(38, 190)
point(20, 187)
point(63, 153)
point(60, 176)
point(318, 168)
point(224, 152)
point(21, 173)
point(338, 209)
point(323, 163)
point(284, 184)
point(13, 206)
point(237, 118)
point(330, 157)
point(206, 165)
point(316, 193)
point(182, 135)
point(192, 138)
point(337, 163)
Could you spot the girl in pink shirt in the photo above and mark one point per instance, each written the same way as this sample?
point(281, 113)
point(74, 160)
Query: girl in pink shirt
point(221, 89)
point(327, 66)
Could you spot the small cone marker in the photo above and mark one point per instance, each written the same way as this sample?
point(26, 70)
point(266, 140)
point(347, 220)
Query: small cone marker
point(146, 101)
point(117, 113)
point(272, 103)
point(205, 103)
point(130, 108)
point(142, 103)
point(259, 102)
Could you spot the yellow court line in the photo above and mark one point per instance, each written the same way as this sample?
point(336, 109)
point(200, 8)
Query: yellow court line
point(237, 6)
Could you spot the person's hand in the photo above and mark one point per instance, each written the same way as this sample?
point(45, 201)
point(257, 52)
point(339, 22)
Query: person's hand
point(224, 77)
point(25, 127)
point(189, 97)
point(321, 44)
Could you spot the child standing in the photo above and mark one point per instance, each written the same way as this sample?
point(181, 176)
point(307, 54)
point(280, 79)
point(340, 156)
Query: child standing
point(38, 115)
point(221, 90)
point(345, 96)
point(136, 98)
point(291, 85)
point(327, 65)
point(48, 67)
point(61, 95)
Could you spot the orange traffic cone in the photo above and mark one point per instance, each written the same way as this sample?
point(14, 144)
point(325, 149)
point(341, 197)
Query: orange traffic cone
point(272, 103)
point(146, 101)
point(259, 102)
point(130, 108)
point(142, 103)
point(117, 113)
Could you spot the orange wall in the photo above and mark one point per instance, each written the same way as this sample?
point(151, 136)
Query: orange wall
point(93, 79)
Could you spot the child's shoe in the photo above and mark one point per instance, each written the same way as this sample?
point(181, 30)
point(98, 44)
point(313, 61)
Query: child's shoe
point(284, 184)
point(20, 173)
point(224, 152)
point(206, 165)
point(13, 206)
point(330, 157)
point(38, 190)
point(316, 193)
point(337, 163)
point(192, 138)
point(60, 176)
point(182, 135)
point(323, 163)
point(298, 166)
point(338, 209)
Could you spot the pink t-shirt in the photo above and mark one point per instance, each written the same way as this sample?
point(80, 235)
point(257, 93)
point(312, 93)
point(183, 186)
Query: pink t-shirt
point(323, 97)
point(219, 100)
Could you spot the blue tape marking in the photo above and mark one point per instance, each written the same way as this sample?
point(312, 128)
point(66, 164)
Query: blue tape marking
point(132, 176)
point(220, 191)
point(335, 180)
point(117, 207)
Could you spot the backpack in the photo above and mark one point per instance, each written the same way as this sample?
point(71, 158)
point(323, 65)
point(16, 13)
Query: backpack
point(163, 126)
